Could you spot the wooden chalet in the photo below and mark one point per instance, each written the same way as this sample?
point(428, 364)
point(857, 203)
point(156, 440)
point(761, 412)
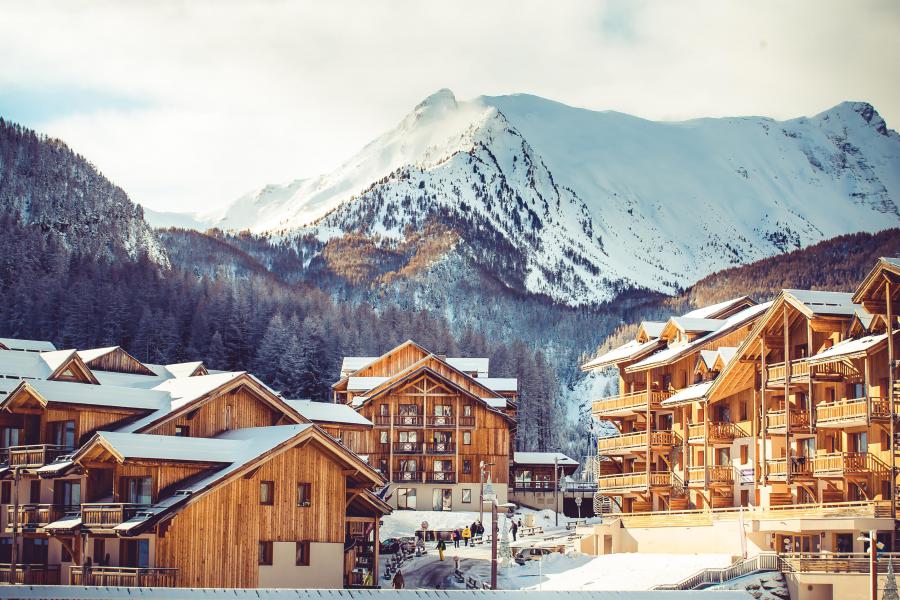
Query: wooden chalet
point(436, 419)
point(145, 475)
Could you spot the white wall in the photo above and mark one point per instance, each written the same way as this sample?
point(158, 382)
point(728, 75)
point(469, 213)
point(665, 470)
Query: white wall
point(325, 570)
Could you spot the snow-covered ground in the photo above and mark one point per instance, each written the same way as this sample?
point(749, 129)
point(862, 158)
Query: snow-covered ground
point(762, 586)
point(407, 522)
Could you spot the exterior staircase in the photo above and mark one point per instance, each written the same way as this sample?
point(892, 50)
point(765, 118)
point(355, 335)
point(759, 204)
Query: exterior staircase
point(766, 561)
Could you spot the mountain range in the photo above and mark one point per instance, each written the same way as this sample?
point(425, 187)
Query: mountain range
point(540, 198)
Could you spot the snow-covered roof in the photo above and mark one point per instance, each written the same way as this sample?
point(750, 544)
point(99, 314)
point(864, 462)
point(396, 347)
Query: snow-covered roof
point(68, 392)
point(500, 384)
point(733, 322)
point(848, 348)
point(865, 318)
point(355, 363)
point(93, 353)
point(184, 369)
point(362, 384)
point(67, 523)
point(328, 412)
point(628, 351)
point(542, 458)
point(709, 357)
point(495, 402)
point(653, 329)
point(688, 394)
point(707, 312)
point(697, 325)
point(470, 364)
point(825, 303)
point(27, 345)
point(727, 353)
point(32, 365)
point(169, 447)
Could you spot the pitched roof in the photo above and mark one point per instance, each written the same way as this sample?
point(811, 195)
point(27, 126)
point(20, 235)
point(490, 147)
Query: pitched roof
point(92, 353)
point(696, 325)
point(850, 348)
point(500, 384)
point(652, 329)
point(26, 345)
point(631, 350)
point(542, 458)
point(37, 365)
point(688, 394)
point(709, 358)
point(167, 447)
point(68, 392)
point(329, 412)
point(713, 311)
point(824, 303)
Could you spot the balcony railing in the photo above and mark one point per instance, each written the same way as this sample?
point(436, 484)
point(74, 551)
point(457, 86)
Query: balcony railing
point(633, 401)
point(382, 420)
point(407, 447)
point(635, 442)
point(108, 515)
point(407, 476)
point(29, 574)
point(840, 463)
point(33, 516)
point(775, 419)
point(841, 412)
point(36, 455)
point(440, 477)
point(122, 576)
point(408, 420)
point(440, 448)
point(836, 562)
point(633, 481)
point(778, 372)
point(533, 486)
point(718, 475)
point(719, 431)
point(467, 421)
point(777, 468)
point(440, 421)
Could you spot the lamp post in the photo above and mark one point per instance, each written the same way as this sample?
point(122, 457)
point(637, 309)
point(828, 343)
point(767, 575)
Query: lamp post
point(488, 495)
point(556, 488)
point(874, 546)
point(481, 468)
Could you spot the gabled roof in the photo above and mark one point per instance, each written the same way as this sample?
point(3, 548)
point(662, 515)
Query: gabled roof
point(694, 325)
point(500, 384)
point(187, 369)
point(41, 365)
point(629, 351)
point(126, 446)
point(329, 412)
point(94, 354)
point(708, 358)
point(852, 348)
point(393, 350)
point(726, 354)
point(885, 267)
point(815, 302)
point(26, 345)
point(68, 392)
point(721, 309)
point(687, 395)
point(649, 330)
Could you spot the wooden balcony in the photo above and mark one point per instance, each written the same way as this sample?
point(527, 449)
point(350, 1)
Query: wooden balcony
point(833, 562)
point(833, 371)
point(719, 475)
point(123, 576)
point(533, 486)
point(33, 517)
point(440, 477)
point(634, 443)
point(855, 411)
point(408, 447)
point(441, 448)
point(625, 404)
point(408, 420)
point(776, 469)
point(633, 482)
point(440, 421)
point(36, 455)
point(411, 476)
point(776, 420)
point(777, 372)
point(105, 516)
point(841, 464)
point(29, 574)
point(467, 421)
point(719, 433)
point(382, 420)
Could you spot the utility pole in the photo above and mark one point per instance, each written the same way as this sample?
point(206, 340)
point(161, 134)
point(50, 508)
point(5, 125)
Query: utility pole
point(556, 488)
point(15, 547)
point(481, 492)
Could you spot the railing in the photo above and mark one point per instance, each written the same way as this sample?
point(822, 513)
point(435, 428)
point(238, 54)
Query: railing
point(717, 474)
point(776, 419)
point(383, 420)
point(622, 442)
point(631, 401)
point(838, 463)
point(122, 576)
point(766, 561)
point(467, 421)
point(441, 448)
point(407, 476)
point(534, 486)
point(718, 431)
point(834, 369)
point(36, 455)
point(408, 420)
point(108, 515)
point(777, 467)
point(836, 562)
point(29, 574)
point(407, 447)
point(777, 371)
point(625, 481)
point(33, 515)
point(440, 477)
point(440, 421)
point(850, 410)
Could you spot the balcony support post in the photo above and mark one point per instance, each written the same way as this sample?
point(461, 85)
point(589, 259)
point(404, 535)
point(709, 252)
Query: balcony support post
point(787, 392)
point(706, 446)
point(866, 390)
point(890, 347)
point(456, 439)
point(391, 443)
point(648, 428)
point(763, 422)
point(809, 375)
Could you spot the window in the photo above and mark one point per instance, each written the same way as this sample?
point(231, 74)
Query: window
point(35, 550)
point(100, 552)
point(137, 490)
point(6, 550)
point(384, 410)
point(745, 497)
point(442, 466)
point(9, 436)
point(808, 447)
point(409, 465)
point(302, 554)
point(409, 409)
point(723, 456)
point(409, 436)
point(383, 466)
point(228, 413)
point(383, 437)
point(859, 442)
point(442, 499)
point(745, 451)
point(182, 431)
point(303, 494)
point(467, 467)
point(859, 390)
point(65, 555)
point(443, 410)
point(406, 498)
point(742, 410)
point(63, 433)
point(467, 437)
point(265, 553)
point(467, 410)
point(6, 492)
point(68, 494)
point(267, 493)
point(134, 553)
point(466, 496)
point(34, 494)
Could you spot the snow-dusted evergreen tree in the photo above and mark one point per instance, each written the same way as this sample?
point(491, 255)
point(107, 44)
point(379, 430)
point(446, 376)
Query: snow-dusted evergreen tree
point(890, 584)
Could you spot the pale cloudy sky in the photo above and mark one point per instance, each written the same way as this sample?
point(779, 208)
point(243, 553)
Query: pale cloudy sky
point(187, 105)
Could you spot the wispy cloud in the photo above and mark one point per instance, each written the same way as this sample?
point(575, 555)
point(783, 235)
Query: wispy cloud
point(188, 104)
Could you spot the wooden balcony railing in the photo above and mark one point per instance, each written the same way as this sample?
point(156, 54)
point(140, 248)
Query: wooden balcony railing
point(122, 576)
point(440, 477)
point(843, 411)
point(777, 467)
point(467, 421)
point(836, 562)
point(840, 463)
point(533, 486)
point(382, 420)
point(719, 431)
point(633, 481)
point(408, 420)
point(778, 372)
point(36, 455)
point(632, 401)
point(834, 370)
point(440, 421)
point(108, 515)
point(29, 574)
point(440, 448)
point(718, 474)
point(775, 419)
point(622, 443)
point(407, 476)
point(407, 448)
point(33, 516)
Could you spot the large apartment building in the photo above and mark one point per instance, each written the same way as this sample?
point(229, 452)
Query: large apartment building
point(750, 428)
point(122, 473)
point(442, 426)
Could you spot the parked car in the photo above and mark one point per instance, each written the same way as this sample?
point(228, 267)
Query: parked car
point(390, 546)
point(526, 554)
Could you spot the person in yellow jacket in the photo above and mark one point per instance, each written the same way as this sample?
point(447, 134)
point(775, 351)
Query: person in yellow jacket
point(441, 546)
point(466, 534)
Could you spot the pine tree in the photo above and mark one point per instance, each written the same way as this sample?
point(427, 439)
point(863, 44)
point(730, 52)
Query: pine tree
point(890, 584)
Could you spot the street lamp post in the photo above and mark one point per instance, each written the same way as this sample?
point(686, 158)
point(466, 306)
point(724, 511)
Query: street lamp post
point(556, 488)
point(874, 546)
point(489, 496)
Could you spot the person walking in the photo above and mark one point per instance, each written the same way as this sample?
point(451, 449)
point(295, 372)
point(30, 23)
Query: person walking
point(441, 546)
point(515, 529)
point(398, 581)
point(456, 535)
point(466, 534)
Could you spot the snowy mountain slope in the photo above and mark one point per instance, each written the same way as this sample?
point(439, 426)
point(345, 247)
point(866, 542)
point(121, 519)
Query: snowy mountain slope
point(577, 204)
